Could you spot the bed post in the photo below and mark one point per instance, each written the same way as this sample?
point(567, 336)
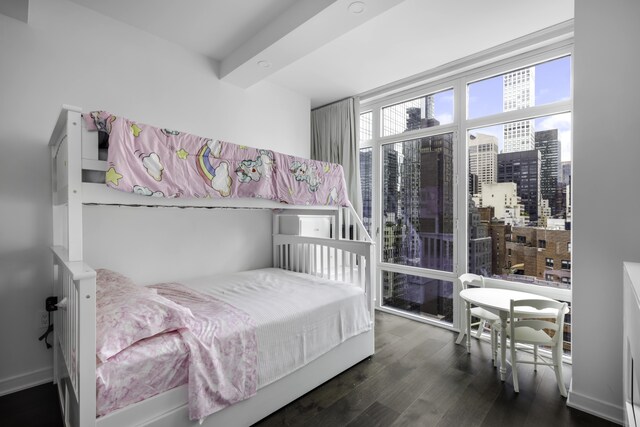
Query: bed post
point(87, 350)
point(74, 282)
point(361, 227)
point(74, 200)
point(66, 170)
point(370, 276)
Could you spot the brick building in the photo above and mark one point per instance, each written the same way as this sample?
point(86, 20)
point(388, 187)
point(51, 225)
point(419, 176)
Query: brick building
point(499, 232)
point(540, 253)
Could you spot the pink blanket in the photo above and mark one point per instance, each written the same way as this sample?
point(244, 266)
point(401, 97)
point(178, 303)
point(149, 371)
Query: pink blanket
point(165, 163)
point(223, 351)
point(145, 369)
point(217, 356)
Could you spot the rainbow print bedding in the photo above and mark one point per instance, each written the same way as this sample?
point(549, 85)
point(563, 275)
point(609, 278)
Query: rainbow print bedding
point(159, 162)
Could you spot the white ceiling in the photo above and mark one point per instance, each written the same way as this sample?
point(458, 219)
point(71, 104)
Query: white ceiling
point(319, 49)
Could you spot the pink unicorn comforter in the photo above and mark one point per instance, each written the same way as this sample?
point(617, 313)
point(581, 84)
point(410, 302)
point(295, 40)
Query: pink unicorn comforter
point(165, 163)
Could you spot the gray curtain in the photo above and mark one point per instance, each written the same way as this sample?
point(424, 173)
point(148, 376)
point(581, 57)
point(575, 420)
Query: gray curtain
point(334, 138)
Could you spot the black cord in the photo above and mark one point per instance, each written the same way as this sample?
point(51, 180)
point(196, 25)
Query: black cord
point(47, 332)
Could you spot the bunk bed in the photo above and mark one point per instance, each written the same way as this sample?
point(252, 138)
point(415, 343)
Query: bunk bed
point(342, 261)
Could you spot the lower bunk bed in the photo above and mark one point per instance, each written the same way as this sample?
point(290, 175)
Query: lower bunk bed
point(307, 330)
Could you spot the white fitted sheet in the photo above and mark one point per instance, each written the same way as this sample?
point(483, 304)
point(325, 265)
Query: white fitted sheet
point(298, 317)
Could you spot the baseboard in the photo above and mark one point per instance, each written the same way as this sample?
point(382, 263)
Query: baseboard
point(597, 407)
point(23, 381)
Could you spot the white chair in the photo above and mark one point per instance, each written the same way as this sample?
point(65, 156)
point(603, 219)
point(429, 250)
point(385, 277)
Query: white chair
point(537, 329)
point(486, 317)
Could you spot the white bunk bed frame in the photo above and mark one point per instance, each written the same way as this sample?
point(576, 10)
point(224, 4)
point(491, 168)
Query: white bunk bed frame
point(74, 149)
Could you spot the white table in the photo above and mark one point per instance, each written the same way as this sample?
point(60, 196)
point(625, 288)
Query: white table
point(498, 301)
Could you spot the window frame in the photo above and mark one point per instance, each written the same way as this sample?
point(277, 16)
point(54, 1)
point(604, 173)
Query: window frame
point(458, 80)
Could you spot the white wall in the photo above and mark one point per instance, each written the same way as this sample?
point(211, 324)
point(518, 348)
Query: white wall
point(606, 182)
point(70, 55)
point(169, 244)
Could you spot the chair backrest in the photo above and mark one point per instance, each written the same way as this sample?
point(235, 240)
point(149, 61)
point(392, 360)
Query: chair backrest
point(468, 278)
point(539, 320)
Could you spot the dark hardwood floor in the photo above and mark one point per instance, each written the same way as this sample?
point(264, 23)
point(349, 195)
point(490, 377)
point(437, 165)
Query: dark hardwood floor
point(418, 377)
point(33, 407)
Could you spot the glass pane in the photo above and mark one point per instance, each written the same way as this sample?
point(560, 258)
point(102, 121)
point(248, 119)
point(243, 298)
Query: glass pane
point(540, 84)
point(424, 112)
point(366, 123)
point(417, 204)
point(520, 203)
point(419, 295)
point(366, 180)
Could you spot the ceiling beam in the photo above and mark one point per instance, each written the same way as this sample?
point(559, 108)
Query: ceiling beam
point(17, 9)
point(303, 28)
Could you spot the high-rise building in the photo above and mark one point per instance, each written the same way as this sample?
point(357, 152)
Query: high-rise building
point(565, 176)
point(562, 189)
point(499, 231)
point(523, 168)
point(425, 202)
point(410, 202)
point(408, 115)
point(474, 185)
point(503, 198)
point(479, 243)
point(483, 158)
point(518, 92)
point(421, 234)
point(391, 160)
point(366, 181)
point(435, 213)
point(548, 145)
point(415, 120)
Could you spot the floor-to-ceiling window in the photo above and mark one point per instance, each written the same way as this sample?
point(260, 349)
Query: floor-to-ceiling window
point(471, 173)
point(411, 146)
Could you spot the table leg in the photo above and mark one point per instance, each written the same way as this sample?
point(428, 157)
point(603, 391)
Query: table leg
point(503, 345)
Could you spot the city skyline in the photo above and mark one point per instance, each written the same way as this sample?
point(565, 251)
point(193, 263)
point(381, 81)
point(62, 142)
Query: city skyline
point(485, 97)
point(559, 122)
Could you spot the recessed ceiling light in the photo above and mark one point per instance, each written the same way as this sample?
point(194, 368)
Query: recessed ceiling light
point(264, 64)
point(357, 7)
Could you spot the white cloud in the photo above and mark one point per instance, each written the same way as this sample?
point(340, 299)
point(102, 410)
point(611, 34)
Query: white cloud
point(565, 143)
point(145, 191)
point(444, 118)
point(153, 166)
point(222, 182)
point(216, 148)
point(561, 122)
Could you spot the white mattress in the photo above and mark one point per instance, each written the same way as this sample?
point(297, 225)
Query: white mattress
point(298, 317)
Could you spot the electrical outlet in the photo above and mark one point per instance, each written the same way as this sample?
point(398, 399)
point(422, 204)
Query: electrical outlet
point(42, 319)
